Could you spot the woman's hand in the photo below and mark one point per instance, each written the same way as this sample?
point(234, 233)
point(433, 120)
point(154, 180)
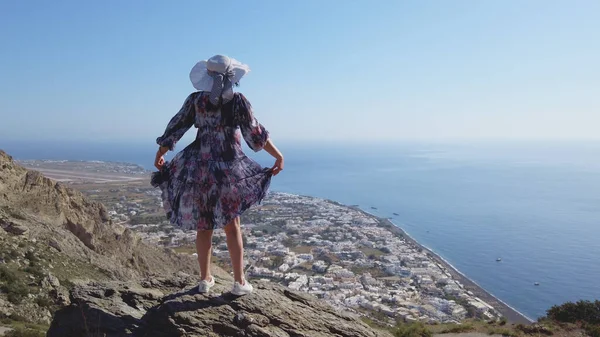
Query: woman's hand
point(159, 161)
point(273, 151)
point(278, 167)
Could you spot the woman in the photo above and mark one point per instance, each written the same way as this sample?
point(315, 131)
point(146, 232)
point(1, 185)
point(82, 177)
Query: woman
point(211, 182)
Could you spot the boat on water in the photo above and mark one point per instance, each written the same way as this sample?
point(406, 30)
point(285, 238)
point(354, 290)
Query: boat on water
point(536, 284)
point(499, 259)
point(395, 213)
point(373, 207)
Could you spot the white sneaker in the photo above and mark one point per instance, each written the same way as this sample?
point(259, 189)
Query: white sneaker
point(240, 290)
point(204, 286)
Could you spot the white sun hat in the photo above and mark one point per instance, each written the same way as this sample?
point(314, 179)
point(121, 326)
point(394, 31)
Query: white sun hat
point(202, 80)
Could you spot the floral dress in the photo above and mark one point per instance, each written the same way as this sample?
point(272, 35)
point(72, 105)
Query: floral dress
point(212, 181)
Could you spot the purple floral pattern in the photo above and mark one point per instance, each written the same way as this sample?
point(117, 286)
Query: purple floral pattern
point(212, 181)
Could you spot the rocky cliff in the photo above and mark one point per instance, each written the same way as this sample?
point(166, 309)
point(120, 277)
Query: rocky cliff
point(60, 217)
point(63, 261)
point(173, 307)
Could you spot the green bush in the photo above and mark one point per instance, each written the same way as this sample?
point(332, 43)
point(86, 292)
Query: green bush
point(417, 329)
point(593, 330)
point(29, 255)
point(36, 271)
point(15, 291)
point(7, 275)
point(503, 332)
point(535, 329)
point(581, 311)
point(44, 301)
point(373, 324)
point(459, 328)
point(11, 255)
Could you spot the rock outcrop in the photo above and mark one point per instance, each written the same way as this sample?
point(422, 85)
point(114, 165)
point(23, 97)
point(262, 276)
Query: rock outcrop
point(39, 208)
point(145, 309)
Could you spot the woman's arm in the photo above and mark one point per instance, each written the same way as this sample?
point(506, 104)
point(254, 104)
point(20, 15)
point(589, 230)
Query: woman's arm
point(159, 161)
point(255, 135)
point(177, 127)
point(179, 124)
point(275, 153)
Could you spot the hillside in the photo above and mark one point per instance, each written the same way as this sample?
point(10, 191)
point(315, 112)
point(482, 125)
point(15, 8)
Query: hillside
point(64, 262)
point(53, 238)
point(46, 213)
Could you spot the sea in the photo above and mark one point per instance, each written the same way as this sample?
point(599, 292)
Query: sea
point(533, 205)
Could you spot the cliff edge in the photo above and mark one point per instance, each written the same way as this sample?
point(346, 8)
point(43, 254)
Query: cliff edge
point(63, 263)
point(173, 307)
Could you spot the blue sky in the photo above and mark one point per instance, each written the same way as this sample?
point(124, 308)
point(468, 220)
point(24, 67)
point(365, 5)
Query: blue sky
point(321, 70)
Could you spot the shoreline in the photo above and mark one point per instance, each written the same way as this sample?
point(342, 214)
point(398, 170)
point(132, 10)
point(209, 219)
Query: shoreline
point(511, 314)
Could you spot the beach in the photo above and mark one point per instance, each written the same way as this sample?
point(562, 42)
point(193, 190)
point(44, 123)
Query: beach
point(512, 315)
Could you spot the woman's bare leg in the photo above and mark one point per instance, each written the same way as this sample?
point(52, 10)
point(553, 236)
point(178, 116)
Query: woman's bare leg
point(204, 250)
point(235, 246)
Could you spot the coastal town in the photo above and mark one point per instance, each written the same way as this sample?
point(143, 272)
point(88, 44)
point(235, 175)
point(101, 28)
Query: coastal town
point(353, 260)
point(343, 255)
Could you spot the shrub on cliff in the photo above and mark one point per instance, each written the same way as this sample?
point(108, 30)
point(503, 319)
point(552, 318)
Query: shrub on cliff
point(12, 285)
point(417, 329)
point(7, 275)
point(593, 330)
point(586, 313)
point(459, 328)
point(580, 312)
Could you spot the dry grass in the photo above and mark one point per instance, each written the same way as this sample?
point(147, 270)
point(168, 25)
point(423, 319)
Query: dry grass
point(475, 325)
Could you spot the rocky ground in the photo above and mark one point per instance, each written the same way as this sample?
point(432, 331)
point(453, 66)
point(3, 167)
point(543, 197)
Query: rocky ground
point(173, 307)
